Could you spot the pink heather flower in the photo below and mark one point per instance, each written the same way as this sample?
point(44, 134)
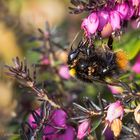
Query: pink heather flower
point(115, 110)
point(131, 12)
point(107, 30)
point(52, 133)
point(103, 19)
point(123, 9)
point(135, 2)
point(31, 119)
point(139, 11)
point(49, 133)
point(83, 129)
point(135, 24)
point(90, 24)
point(136, 66)
point(115, 89)
point(69, 134)
point(59, 118)
point(114, 20)
point(64, 72)
point(44, 60)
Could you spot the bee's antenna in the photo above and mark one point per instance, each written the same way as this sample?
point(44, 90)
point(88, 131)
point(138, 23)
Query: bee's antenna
point(76, 36)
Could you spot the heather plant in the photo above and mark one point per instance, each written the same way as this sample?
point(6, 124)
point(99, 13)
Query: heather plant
point(105, 55)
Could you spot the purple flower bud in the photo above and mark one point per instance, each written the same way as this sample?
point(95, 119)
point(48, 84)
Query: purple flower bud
point(114, 111)
point(115, 20)
point(108, 134)
point(64, 72)
point(123, 9)
point(59, 118)
point(83, 129)
point(90, 24)
point(115, 89)
point(103, 19)
point(136, 67)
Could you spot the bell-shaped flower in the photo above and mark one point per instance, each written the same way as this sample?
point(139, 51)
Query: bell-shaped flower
point(83, 129)
point(58, 129)
point(139, 11)
point(123, 9)
point(52, 133)
point(68, 134)
point(107, 30)
point(136, 66)
point(115, 110)
point(135, 24)
point(130, 13)
point(115, 89)
point(115, 20)
point(49, 132)
point(90, 24)
point(135, 2)
point(59, 118)
point(103, 19)
point(44, 61)
point(64, 72)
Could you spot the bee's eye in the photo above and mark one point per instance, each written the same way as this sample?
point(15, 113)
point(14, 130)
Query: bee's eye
point(73, 55)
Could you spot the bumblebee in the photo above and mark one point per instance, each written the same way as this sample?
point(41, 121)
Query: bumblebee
point(89, 63)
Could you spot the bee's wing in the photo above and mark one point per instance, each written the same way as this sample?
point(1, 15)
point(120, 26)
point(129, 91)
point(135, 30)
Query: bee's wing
point(75, 42)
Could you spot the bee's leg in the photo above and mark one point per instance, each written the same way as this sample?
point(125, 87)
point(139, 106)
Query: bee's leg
point(104, 82)
point(110, 43)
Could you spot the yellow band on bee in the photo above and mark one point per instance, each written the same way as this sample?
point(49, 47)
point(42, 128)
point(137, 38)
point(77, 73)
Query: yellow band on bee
point(72, 72)
point(121, 59)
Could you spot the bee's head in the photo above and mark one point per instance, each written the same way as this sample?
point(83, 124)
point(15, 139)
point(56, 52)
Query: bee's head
point(72, 55)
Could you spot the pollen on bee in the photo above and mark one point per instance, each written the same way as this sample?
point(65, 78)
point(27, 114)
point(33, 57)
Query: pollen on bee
point(121, 59)
point(72, 72)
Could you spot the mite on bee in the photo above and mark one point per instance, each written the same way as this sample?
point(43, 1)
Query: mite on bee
point(89, 63)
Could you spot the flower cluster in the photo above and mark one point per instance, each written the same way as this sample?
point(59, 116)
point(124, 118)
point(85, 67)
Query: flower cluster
point(84, 129)
point(111, 17)
point(56, 127)
point(113, 113)
point(89, 63)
